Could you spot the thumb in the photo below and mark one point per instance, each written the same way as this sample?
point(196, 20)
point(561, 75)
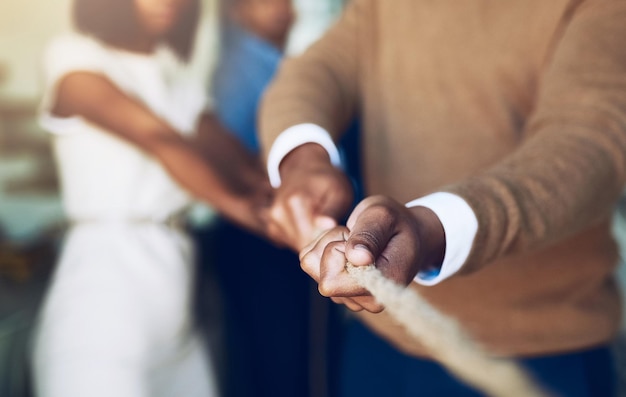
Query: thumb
point(369, 236)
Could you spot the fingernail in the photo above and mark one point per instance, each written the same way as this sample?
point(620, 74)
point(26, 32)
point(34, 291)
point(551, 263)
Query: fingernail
point(361, 247)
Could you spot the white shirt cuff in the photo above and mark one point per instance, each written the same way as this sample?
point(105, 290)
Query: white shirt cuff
point(296, 136)
point(460, 226)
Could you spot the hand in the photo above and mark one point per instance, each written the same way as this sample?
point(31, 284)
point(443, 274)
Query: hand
point(380, 231)
point(312, 196)
point(242, 192)
point(251, 194)
point(250, 207)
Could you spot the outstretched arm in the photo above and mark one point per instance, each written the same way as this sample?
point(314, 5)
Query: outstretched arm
point(94, 97)
point(313, 99)
point(241, 170)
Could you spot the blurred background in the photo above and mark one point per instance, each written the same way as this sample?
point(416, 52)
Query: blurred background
point(29, 203)
point(31, 217)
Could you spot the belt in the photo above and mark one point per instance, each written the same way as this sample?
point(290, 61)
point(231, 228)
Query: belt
point(174, 221)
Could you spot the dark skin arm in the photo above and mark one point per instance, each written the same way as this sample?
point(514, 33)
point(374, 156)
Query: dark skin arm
point(239, 196)
point(240, 168)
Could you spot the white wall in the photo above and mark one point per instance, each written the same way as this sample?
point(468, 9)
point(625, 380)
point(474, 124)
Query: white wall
point(25, 27)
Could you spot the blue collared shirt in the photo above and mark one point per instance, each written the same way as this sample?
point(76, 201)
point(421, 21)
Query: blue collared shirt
point(247, 65)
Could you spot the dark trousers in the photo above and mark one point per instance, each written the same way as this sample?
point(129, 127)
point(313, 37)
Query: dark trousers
point(271, 348)
point(371, 367)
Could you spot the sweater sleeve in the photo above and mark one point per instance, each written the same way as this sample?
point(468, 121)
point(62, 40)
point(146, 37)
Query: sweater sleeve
point(571, 168)
point(319, 87)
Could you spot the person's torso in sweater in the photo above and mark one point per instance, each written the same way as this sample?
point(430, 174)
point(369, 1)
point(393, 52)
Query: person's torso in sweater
point(447, 88)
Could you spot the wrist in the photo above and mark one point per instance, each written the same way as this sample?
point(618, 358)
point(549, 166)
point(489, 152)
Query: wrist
point(431, 237)
point(309, 155)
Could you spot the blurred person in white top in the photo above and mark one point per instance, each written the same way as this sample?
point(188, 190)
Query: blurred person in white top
point(135, 144)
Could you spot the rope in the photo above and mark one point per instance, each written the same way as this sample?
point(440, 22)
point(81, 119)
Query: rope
point(445, 340)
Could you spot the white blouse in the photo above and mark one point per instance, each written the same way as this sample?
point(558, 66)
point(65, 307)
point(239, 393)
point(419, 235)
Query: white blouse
point(104, 177)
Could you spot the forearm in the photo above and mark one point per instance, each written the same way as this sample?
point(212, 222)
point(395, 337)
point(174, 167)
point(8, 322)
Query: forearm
point(187, 165)
point(240, 196)
point(216, 142)
point(84, 93)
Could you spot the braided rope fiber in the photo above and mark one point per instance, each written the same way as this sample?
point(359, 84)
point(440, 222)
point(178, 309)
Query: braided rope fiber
point(445, 340)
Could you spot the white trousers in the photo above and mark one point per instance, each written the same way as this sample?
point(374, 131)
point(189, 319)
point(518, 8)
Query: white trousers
point(117, 317)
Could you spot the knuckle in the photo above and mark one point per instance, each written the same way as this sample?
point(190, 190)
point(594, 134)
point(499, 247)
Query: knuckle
point(324, 289)
point(277, 212)
point(382, 212)
point(275, 233)
point(374, 200)
point(370, 239)
point(376, 308)
point(273, 227)
point(333, 246)
point(293, 200)
point(308, 262)
point(333, 251)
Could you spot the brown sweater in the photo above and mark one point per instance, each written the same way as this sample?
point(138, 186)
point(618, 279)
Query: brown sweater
point(519, 107)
